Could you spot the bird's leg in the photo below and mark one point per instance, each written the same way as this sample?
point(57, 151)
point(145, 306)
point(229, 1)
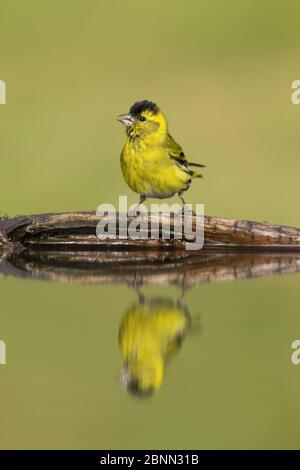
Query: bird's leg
point(141, 201)
point(183, 289)
point(194, 322)
point(180, 194)
point(136, 287)
point(181, 197)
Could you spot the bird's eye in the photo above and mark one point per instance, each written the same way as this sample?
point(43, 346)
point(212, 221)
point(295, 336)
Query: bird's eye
point(142, 118)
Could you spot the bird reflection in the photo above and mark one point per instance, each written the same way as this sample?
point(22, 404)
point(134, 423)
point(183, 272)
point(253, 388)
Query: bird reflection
point(151, 332)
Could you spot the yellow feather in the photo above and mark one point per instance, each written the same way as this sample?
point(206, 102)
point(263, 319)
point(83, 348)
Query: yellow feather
point(149, 336)
point(153, 164)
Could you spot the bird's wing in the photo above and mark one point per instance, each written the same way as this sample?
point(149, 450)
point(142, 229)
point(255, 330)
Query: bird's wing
point(177, 154)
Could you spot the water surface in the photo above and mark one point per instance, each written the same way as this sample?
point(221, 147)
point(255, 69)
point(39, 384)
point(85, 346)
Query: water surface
point(226, 376)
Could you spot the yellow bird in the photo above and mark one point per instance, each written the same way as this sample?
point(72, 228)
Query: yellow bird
point(153, 163)
point(150, 334)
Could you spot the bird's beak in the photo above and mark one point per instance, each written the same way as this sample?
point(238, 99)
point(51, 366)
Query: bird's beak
point(126, 119)
point(124, 377)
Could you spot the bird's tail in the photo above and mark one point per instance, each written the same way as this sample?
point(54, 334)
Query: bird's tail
point(200, 165)
point(195, 174)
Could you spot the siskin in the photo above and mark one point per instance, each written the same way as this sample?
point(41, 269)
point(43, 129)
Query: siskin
point(153, 164)
point(150, 334)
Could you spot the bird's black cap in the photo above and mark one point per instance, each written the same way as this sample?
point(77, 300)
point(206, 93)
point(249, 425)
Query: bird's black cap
point(135, 390)
point(145, 105)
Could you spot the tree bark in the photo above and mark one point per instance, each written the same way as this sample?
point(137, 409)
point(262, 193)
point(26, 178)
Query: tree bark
point(77, 230)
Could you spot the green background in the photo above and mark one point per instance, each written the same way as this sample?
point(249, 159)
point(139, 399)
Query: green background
point(222, 73)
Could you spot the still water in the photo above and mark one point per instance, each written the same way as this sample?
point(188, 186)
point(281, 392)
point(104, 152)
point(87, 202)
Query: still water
point(96, 361)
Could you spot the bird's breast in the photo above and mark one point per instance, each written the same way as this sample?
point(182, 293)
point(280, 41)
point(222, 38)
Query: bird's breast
point(150, 171)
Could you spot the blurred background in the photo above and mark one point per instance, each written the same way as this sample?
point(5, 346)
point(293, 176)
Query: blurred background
point(221, 71)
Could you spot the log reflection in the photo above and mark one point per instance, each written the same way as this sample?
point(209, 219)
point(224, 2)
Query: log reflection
point(160, 267)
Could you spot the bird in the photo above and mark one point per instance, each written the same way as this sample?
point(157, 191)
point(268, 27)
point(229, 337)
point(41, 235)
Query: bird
point(153, 163)
point(151, 332)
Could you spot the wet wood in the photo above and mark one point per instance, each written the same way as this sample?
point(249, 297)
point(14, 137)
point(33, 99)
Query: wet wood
point(100, 267)
point(77, 230)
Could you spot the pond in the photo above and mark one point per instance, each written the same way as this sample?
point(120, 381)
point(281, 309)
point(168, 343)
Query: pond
point(182, 356)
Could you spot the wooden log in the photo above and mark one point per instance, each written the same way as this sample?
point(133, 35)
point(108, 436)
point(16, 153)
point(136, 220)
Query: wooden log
point(101, 267)
point(77, 230)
